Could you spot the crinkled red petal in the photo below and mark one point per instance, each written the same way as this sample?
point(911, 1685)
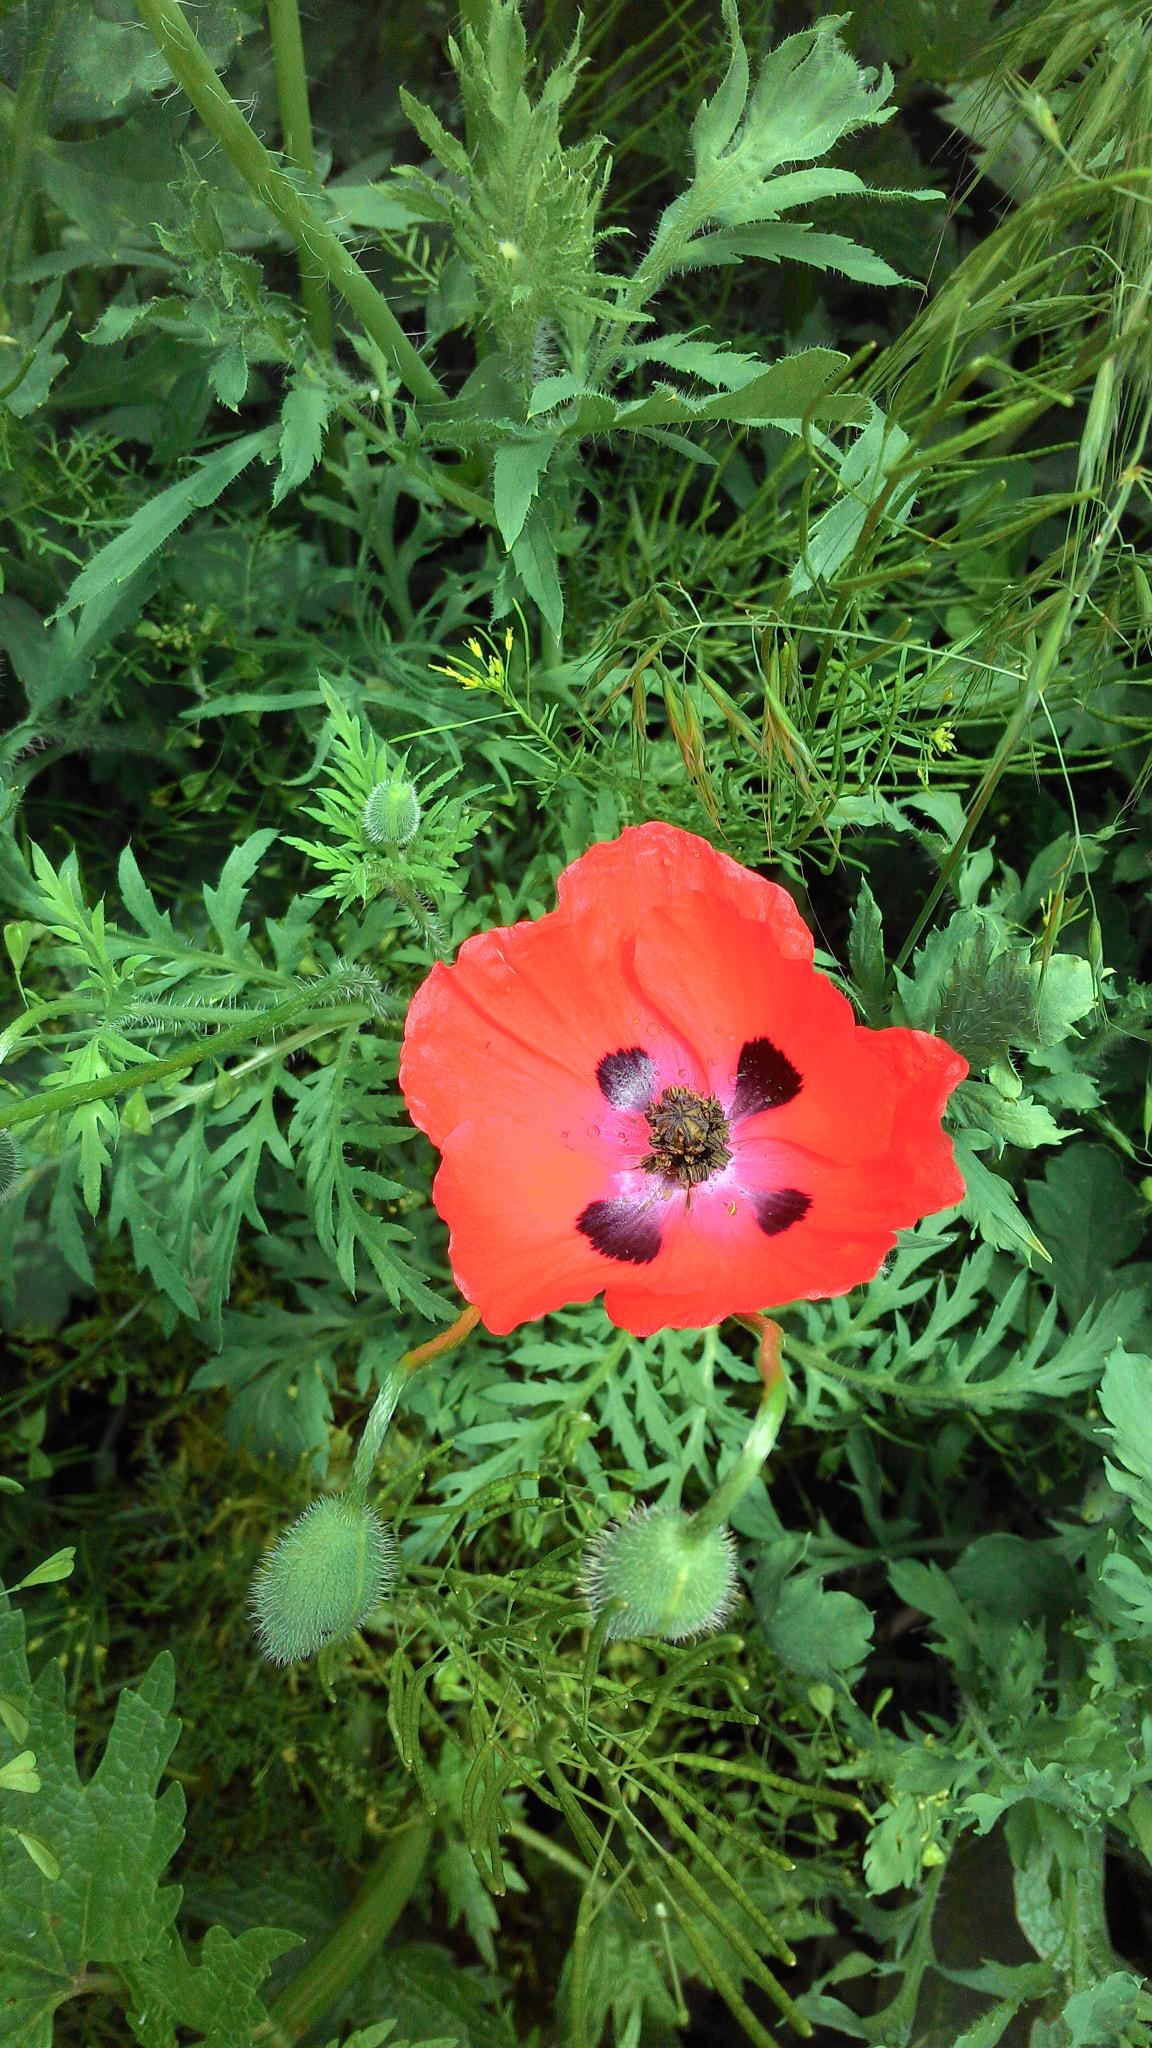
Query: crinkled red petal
point(518, 1026)
point(695, 1283)
point(721, 982)
point(510, 1196)
point(622, 879)
point(662, 943)
point(519, 1023)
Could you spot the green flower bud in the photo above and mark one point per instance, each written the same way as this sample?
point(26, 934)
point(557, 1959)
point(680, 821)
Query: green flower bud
point(391, 813)
point(676, 1578)
point(322, 1579)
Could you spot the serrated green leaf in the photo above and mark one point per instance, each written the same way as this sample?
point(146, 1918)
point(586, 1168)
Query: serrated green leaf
point(866, 954)
point(718, 118)
point(302, 422)
point(429, 1994)
point(1089, 1216)
point(1011, 1120)
point(156, 521)
point(797, 242)
point(467, 1898)
point(1067, 993)
point(111, 1838)
point(225, 902)
point(990, 1204)
point(1101, 2015)
point(809, 94)
point(39, 373)
point(326, 1103)
point(517, 472)
point(228, 376)
point(535, 560)
point(217, 1995)
point(724, 368)
point(812, 1632)
point(553, 391)
point(138, 900)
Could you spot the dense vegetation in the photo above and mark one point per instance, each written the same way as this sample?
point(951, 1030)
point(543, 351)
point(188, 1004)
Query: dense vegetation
point(429, 447)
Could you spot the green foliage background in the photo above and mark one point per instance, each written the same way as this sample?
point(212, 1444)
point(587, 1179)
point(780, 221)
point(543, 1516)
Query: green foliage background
point(740, 422)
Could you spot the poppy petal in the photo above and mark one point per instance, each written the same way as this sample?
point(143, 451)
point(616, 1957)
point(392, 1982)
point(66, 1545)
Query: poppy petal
point(716, 1260)
point(511, 1197)
point(622, 879)
point(519, 1025)
point(536, 1060)
point(723, 984)
point(756, 1021)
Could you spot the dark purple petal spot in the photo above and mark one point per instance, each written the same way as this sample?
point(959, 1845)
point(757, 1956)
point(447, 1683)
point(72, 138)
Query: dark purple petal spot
point(765, 1078)
point(627, 1078)
point(624, 1230)
point(777, 1209)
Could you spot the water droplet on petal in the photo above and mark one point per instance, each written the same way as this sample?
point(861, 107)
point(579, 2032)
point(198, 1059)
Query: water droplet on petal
point(593, 1130)
point(653, 1031)
point(563, 1134)
point(665, 863)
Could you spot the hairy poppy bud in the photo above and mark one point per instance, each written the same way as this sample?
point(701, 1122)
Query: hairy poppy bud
point(392, 812)
point(322, 1579)
point(675, 1578)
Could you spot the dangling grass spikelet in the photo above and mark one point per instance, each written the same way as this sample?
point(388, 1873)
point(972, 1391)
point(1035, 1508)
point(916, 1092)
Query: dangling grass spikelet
point(322, 1579)
point(7, 1164)
point(676, 1581)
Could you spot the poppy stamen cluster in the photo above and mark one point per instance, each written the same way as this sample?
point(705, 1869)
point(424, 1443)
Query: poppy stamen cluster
point(689, 1137)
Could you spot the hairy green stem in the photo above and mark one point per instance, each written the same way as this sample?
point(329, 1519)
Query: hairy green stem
point(32, 1108)
point(363, 1930)
point(740, 1475)
point(384, 1406)
point(762, 1435)
point(296, 142)
point(260, 170)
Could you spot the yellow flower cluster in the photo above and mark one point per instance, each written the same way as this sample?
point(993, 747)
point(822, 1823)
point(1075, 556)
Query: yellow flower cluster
point(490, 673)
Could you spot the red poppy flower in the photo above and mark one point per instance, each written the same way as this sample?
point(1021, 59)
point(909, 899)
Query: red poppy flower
point(651, 1091)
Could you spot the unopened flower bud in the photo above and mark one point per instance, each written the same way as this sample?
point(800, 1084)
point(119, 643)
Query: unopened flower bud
point(391, 813)
point(322, 1580)
point(675, 1578)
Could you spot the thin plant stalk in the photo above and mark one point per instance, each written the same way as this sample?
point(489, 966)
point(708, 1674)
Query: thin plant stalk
point(296, 141)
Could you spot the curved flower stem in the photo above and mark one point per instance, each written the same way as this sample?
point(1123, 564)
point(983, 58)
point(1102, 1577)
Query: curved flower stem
point(447, 1340)
point(260, 170)
point(356, 1938)
point(384, 1406)
point(763, 1433)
